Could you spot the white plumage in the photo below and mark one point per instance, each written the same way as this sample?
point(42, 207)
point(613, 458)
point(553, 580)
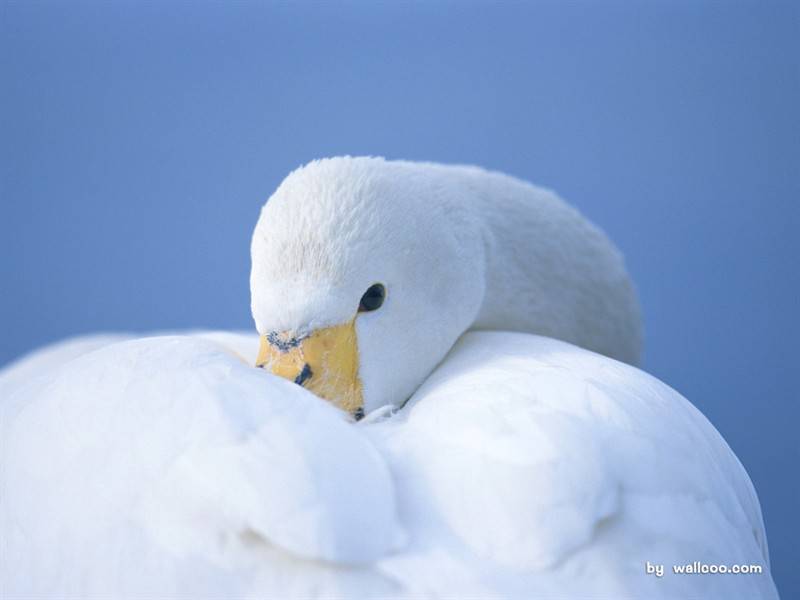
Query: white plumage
point(522, 466)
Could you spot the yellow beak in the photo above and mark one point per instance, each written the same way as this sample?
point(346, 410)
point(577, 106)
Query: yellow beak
point(324, 362)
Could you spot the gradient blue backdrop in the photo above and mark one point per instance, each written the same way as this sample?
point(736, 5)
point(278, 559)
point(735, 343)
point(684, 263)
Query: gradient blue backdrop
point(139, 142)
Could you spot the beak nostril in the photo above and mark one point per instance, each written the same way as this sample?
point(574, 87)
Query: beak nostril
point(284, 342)
point(304, 375)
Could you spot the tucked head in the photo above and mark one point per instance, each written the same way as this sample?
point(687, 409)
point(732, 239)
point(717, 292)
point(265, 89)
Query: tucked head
point(364, 274)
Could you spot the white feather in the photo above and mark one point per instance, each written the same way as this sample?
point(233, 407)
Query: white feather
point(524, 467)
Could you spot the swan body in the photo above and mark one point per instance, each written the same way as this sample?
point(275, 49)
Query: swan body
point(167, 466)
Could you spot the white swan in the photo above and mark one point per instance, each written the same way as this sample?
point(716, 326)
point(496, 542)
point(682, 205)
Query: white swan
point(522, 467)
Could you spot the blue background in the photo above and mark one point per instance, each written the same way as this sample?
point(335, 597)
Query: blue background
point(139, 141)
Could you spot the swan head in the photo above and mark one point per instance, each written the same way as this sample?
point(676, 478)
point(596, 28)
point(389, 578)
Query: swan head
point(364, 274)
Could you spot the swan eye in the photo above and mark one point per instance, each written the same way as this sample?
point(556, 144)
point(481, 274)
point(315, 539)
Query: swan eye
point(373, 298)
